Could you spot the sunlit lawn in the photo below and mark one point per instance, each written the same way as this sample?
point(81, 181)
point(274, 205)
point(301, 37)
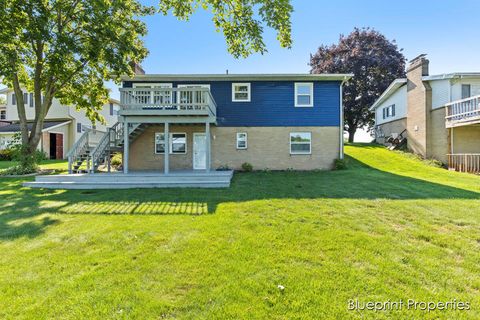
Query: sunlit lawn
point(388, 228)
point(57, 165)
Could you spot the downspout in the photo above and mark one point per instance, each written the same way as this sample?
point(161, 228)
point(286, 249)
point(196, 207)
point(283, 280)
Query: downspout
point(341, 155)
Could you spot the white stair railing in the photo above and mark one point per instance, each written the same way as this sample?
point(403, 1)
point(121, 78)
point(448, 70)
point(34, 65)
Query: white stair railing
point(78, 148)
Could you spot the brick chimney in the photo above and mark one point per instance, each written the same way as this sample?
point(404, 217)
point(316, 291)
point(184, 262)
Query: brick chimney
point(137, 69)
point(419, 105)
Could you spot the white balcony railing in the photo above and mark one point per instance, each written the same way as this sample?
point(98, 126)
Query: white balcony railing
point(463, 112)
point(466, 162)
point(167, 101)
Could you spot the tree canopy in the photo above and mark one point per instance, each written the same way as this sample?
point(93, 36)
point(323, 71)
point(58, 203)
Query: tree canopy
point(375, 62)
point(68, 49)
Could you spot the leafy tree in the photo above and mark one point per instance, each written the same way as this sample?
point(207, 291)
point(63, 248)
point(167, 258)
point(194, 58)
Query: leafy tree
point(67, 49)
point(240, 23)
point(375, 62)
point(3, 100)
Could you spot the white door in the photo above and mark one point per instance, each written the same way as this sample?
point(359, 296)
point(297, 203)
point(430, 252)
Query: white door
point(199, 151)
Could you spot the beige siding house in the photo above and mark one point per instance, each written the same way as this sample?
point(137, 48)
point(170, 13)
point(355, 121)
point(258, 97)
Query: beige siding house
point(439, 115)
point(63, 126)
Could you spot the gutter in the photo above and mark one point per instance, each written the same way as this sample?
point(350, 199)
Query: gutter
point(342, 153)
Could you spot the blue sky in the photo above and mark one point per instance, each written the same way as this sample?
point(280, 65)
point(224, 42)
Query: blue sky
point(446, 30)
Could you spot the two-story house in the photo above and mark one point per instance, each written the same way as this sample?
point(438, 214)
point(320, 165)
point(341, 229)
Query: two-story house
point(202, 125)
point(438, 114)
point(63, 126)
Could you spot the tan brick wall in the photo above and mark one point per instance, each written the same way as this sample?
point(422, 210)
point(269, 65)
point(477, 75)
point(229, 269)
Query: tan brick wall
point(438, 136)
point(396, 126)
point(419, 102)
point(466, 139)
point(268, 148)
point(142, 149)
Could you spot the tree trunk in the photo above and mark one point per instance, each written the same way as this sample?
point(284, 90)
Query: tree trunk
point(351, 133)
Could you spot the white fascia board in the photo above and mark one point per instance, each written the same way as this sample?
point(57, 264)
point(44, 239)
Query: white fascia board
point(392, 88)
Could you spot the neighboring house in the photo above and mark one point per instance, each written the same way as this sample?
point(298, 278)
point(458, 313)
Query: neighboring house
point(439, 115)
point(63, 126)
point(3, 112)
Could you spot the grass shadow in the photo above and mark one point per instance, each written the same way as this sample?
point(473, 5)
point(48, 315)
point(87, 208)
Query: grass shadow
point(360, 181)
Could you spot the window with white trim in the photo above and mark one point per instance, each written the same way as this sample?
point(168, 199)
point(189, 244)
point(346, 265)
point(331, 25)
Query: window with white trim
point(466, 91)
point(178, 143)
point(300, 142)
point(241, 92)
point(159, 143)
point(241, 140)
point(303, 94)
point(3, 115)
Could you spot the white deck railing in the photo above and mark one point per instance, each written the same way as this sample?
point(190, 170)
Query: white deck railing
point(464, 162)
point(463, 112)
point(168, 101)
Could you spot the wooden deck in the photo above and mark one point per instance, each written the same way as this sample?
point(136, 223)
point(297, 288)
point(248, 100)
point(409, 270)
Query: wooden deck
point(133, 180)
point(463, 112)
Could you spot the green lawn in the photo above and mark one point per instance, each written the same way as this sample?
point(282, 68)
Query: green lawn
point(388, 228)
point(57, 165)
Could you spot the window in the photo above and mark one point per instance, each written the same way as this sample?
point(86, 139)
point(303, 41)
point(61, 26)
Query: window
point(178, 143)
point(159, 143)
point(304, 94)
point(241, 92)
point(79, 127)
point(241, 140)
point(389, 111)
point(111, 109)
point(3, 115)
point(300, 143)
point(31, 100)
point(25, 98)
point(466, 91)
point(14, 99)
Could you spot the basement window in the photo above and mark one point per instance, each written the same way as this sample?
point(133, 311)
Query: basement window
point(178, 143)
point(241, 140)
point(300, 143)
point(159, 143)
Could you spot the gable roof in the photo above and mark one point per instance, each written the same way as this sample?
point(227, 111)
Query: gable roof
point(392, 88)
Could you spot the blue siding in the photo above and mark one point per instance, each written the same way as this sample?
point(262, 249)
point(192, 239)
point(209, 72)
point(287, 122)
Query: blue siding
point(272, 104)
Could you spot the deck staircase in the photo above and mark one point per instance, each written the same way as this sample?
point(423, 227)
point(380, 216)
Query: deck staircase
point(95, 148)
